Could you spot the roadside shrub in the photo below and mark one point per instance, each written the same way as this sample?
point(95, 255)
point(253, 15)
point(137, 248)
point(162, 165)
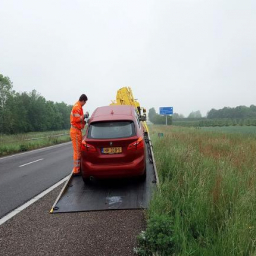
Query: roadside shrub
point(53, 140)
point(23, 148)
point(158, 237)
point(4, 150)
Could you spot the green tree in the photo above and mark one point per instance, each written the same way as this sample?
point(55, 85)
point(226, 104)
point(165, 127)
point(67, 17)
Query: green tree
point(37, 113)
point(177, 116)
point(152, 115)
point(64, 111)
point(5, 94)
point(195, 114)
point(17, 115)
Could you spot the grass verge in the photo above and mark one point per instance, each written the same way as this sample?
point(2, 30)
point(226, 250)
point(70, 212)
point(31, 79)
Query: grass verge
point(206, 201)
point(10, 144)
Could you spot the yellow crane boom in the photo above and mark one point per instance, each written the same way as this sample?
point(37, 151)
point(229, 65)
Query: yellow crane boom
point(124, 96)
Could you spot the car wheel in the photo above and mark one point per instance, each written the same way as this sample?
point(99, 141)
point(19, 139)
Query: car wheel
point(86, 180)
point(143, 176)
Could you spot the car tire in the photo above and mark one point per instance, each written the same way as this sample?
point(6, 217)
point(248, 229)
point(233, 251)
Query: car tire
point(143, 176)
point(86, 180)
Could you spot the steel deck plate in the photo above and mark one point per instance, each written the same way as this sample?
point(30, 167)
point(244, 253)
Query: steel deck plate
point(107, 194)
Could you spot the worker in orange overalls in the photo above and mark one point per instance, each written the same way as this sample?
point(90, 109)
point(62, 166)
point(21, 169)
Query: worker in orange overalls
point(77, 124)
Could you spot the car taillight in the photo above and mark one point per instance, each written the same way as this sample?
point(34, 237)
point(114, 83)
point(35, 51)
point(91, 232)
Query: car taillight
point(136, 144)
point(87, 147)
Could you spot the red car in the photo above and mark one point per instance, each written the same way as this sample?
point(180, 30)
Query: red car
point(114, 145)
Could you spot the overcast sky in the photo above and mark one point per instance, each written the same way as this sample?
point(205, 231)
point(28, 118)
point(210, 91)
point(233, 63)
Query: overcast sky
point(189, 54)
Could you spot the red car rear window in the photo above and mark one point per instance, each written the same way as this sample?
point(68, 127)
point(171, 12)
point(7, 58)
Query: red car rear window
point(111, 130)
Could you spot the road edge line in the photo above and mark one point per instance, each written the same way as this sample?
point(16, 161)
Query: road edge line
point(31, 201)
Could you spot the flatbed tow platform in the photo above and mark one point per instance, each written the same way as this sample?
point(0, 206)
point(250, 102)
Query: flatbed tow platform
point(76, 196)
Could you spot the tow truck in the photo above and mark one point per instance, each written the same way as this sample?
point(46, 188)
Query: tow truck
point(124, 96)
point(76, 196)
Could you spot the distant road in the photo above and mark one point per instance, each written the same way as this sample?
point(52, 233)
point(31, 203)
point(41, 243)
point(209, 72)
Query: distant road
point(25, 175)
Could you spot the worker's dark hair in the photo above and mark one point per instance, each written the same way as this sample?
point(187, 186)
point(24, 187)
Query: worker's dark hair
point(83, 97)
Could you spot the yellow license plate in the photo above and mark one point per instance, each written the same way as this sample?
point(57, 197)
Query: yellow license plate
point(115, 150)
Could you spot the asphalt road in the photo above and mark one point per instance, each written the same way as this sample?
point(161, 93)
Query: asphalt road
point(35, 231)
point(23, 176)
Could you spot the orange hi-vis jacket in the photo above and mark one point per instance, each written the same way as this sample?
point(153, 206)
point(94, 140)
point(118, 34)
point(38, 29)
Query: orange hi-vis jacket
point(77, 117)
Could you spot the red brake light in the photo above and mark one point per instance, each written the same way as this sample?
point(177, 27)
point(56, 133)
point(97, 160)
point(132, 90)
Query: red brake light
point(136, 144)
point(87, 147)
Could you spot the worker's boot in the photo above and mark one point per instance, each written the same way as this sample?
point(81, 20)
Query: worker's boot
point(76, 171)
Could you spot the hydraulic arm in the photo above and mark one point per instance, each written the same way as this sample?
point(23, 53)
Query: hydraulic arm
point(124, 96)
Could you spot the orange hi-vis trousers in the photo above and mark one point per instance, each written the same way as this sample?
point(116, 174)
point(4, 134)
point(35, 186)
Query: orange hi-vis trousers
point(76, 137)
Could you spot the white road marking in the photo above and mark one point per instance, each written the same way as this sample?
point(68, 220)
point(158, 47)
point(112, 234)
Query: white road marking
point(33, 200)
point(31, 162)
point(35, 150)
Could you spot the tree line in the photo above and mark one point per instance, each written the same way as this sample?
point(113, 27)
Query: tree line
point(239, 116)
point(220, 122)
point(240, 112)
point(29, 112)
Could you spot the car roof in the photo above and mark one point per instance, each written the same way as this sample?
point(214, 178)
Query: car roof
point(113, 112)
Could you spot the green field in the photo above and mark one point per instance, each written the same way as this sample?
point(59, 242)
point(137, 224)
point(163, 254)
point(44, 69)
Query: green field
point(10, 144)
point(232, 129)
point(206, 201)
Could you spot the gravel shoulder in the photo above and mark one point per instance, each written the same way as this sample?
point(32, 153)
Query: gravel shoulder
point(36, 232)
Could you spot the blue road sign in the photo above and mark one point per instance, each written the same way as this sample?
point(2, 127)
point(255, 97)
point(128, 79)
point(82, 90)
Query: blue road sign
point(166, 110)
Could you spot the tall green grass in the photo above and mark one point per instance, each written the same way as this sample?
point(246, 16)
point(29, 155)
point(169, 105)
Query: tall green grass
point(232, 129)
point(206, 196)
point(10, 144)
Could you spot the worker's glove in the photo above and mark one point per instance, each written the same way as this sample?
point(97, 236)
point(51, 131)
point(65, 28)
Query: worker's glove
point(86, 115)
